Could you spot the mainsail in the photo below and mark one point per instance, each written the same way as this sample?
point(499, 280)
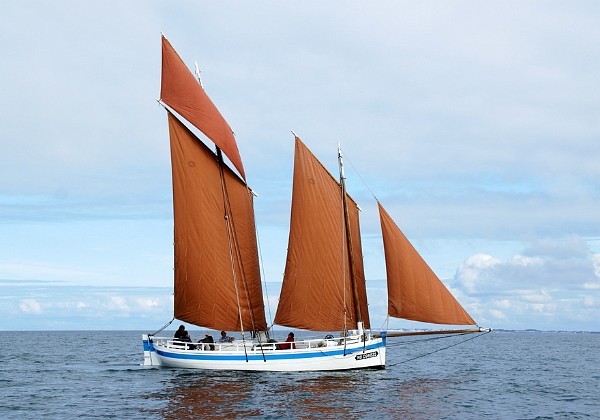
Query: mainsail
point(182, 92)
point(414, 290)
point(216, 257)
point(317, 292)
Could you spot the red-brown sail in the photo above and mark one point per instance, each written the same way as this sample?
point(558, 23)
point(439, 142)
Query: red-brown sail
point(181, 91)
point(414, 291)
point(216, 257)
point(316, 293)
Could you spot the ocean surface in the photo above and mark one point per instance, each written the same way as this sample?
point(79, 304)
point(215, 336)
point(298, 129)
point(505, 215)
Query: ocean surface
point(499, 375)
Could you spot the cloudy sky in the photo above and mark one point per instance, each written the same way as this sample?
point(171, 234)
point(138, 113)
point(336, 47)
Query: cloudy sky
point(475, 123)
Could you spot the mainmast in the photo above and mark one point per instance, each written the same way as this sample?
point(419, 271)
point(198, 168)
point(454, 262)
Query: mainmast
point(353, 281)
point(234, 248)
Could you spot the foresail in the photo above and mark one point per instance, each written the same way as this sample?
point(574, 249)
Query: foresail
point(216, 257)
point(181, 91)
point(316, 293)
point(414, 290)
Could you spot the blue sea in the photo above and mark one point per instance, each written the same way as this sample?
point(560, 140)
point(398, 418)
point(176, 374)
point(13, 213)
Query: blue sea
point(499, 375)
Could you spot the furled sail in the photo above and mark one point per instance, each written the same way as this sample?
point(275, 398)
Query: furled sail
point(216, 257)
point(182, 92)
point(317, 293)
point(414, 291)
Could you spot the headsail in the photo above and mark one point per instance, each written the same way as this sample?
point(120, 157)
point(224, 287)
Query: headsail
point(316, 293)
point(414, 290)
point(216, 257)
point(182, 92)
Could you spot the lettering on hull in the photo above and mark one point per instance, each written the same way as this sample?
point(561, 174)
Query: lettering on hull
point(366, 355)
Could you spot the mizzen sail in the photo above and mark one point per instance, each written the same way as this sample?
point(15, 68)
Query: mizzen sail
point(181, 91)
point(317, 293)
point(414, 290)
point(216, 257)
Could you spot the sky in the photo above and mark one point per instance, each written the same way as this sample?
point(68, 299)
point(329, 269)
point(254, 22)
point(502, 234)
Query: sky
point(476, 124)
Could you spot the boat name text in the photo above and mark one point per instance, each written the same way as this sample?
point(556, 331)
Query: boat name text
point(366, 355)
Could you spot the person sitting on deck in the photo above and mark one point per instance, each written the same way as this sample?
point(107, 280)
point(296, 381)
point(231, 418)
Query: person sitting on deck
point(180, 331)
point(208, 339)
point(290, 339)
point(187, 339)
point(224, 338)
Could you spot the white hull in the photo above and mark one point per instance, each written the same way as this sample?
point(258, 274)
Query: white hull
point(309, 355)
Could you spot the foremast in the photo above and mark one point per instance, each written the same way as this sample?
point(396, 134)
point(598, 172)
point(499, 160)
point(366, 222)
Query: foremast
point(234, 253)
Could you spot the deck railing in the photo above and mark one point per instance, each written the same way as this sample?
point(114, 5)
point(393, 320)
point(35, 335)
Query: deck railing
point(250, 346)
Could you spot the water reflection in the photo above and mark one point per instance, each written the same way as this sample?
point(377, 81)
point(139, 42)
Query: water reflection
point(210, 394)
point(326, 396)
point(357, 394)
point(189, 394)
point(418, 398)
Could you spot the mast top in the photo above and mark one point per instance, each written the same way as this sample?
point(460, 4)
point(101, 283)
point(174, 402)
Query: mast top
point(341, 164)
point(197, 71)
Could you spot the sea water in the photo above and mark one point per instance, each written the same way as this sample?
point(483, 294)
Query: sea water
point(499, 375)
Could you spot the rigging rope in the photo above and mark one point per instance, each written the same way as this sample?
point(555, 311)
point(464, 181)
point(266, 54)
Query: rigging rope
point(165, 326)
point(359, 176)
point(264, 278)
point(234, 251)
point(435, 351)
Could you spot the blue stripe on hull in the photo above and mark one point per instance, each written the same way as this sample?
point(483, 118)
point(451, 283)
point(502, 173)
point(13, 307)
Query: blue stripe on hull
point(269, 355)
point(147, 346)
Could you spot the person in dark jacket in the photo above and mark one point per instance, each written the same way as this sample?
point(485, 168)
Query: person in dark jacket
point(208, 339)
point(180, 332)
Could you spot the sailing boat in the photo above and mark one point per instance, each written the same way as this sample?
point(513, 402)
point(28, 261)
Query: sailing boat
point(217, 282)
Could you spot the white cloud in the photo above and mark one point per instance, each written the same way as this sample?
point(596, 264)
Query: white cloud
point(545, 286)
point(469, 271)
point(83, 307)
point(117, 303)
point(545, 264)
point(144, 303)
point(30, 306)
point(543, 309)
point(128, 303)
point(596, 262)
point(497, 314)
point(503, 303)
point(535, 296)
point(527, 261)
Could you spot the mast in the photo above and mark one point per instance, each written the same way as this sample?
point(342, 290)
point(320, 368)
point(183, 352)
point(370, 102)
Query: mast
point(231, 236)
point(231, 239)
point(357, 305)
